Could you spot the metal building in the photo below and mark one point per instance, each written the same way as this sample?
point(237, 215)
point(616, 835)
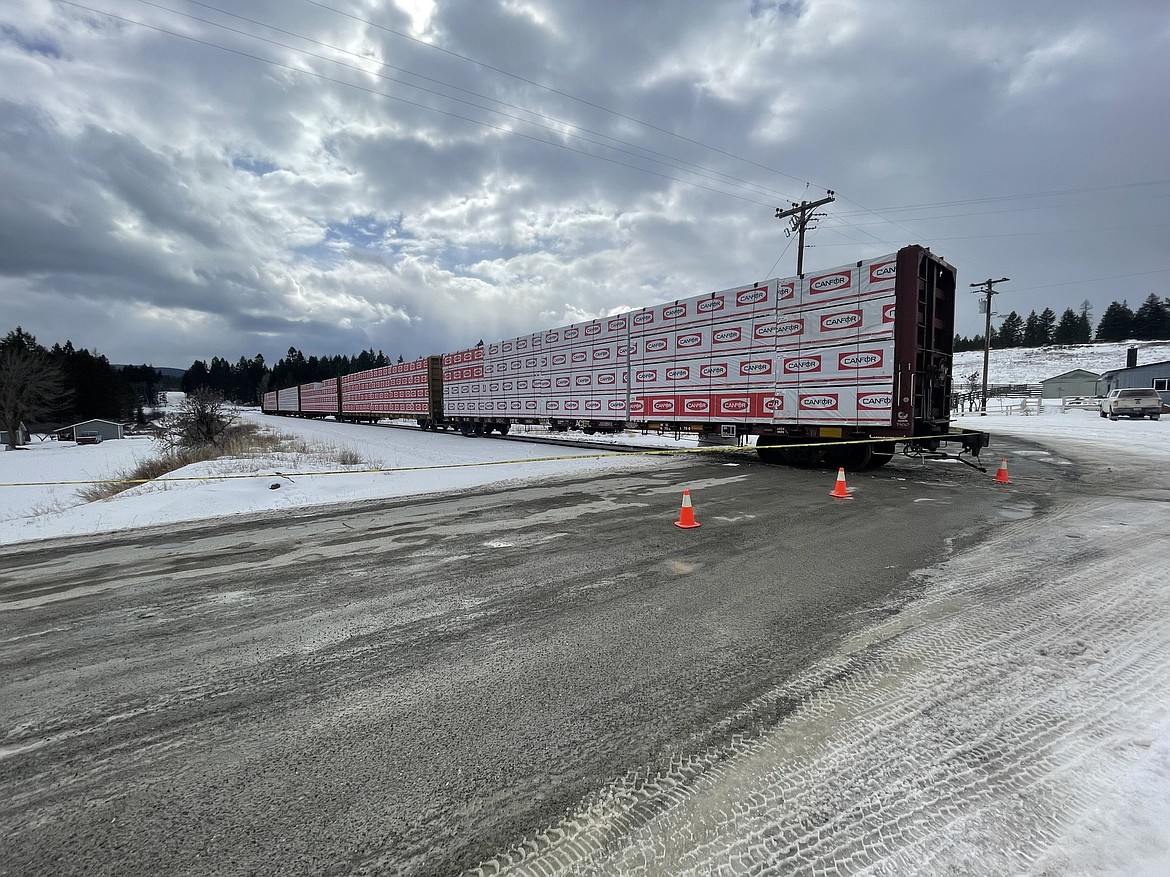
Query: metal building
point(107, 429)
point(1154, 374)
point(1078, 382)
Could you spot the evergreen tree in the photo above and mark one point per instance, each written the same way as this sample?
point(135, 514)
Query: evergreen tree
point(1085, 333)
point(1011, 331)
point(251, 380)
point(1047, 325)
point(195, 377)
point(98, 389)
point(144, 380)
point(219, 376)
point(1116, 323)
point(1151, 322)
point(1068, 330)
point(1033, 336)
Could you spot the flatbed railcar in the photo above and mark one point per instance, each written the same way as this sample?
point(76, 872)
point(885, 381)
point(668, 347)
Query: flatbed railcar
point(840, 367)
point(411, 390)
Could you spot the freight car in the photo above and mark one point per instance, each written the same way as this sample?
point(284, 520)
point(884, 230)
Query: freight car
point(838, 367)
point(411, 390)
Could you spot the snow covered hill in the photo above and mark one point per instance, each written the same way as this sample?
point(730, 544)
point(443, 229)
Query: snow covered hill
point(1031, 365)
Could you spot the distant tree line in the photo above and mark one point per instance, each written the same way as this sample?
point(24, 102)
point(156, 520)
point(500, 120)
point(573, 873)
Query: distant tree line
point(1151, 322)
point(61, 385)
point(247, 380)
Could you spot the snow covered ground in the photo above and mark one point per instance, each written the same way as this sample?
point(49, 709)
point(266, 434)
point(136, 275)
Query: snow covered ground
point(412, 462)
point(1032, 365)
point(1123, 827)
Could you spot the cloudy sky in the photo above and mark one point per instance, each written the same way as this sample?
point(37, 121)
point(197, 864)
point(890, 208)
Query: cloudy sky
point(184, 180)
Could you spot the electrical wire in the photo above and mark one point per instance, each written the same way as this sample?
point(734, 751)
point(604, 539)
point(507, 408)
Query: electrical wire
point(555, 91)
point(408, 102)
point(672, 161)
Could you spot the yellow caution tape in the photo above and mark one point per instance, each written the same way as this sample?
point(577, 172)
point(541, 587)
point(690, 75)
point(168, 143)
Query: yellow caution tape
point(648, 452)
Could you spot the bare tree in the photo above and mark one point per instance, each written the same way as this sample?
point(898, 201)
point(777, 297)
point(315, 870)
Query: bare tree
point(204, 419)
point(31, 384)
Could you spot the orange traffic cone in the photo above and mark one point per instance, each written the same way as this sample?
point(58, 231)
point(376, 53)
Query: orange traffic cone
point(686, 516)
point(1001, 477)
point(839, 490)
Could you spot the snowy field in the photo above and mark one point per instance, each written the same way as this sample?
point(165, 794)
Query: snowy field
point(411, 462)
point(1032, 365)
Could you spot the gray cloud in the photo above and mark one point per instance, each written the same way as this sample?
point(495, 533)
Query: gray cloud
point(167, 200)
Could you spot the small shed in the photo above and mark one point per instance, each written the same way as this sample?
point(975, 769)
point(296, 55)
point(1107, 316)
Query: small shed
point(107, 429)
point(1078, 382)
point(1154, 374)
point(22, 436)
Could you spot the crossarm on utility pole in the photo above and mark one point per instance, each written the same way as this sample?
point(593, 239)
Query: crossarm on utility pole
point(804, 210)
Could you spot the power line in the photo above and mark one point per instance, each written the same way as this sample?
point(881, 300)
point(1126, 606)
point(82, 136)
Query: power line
point(403, 100)
point(552, 90)
point(1017, 234)
point(856, 227)
point(706, 172)
point(884, 221)
point(783, 253)
point(1051, 193)
point(1095, 279)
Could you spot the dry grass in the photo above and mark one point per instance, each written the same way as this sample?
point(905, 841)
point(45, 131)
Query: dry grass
point(246, 441)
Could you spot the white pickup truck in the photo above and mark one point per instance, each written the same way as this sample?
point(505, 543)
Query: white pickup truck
point(1132, 402)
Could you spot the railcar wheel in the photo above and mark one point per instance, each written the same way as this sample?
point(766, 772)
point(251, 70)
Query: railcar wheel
point(882, 453)
point(851, 457)
point(503, 428)
point(770, 450)
point(772, 455)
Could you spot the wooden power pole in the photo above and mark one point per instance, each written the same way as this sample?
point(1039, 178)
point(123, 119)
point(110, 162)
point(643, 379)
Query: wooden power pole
point(987, 287)
point(802, 214)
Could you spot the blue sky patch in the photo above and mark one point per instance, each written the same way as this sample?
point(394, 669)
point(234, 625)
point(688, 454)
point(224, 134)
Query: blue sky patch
point(255, 166)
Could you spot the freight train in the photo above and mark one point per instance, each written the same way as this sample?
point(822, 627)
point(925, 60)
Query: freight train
point(839, 367)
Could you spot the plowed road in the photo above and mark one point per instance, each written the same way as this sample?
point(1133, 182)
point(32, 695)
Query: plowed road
point(549, 679)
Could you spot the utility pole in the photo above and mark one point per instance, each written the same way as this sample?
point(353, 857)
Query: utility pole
point(802, 214)
point(987, 287)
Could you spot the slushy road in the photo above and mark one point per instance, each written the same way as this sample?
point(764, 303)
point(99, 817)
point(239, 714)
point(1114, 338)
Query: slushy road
point(411, 686)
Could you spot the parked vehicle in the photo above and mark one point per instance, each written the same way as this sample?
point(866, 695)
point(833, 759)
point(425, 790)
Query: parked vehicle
point(88, 438)
point(837, 367)
point(1132, 402)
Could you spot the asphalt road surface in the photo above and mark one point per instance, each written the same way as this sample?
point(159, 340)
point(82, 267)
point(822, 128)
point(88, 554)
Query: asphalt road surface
point(414, 686)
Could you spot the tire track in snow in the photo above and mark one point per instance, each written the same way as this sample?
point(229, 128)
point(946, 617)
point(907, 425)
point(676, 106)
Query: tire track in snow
point(965, 734)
